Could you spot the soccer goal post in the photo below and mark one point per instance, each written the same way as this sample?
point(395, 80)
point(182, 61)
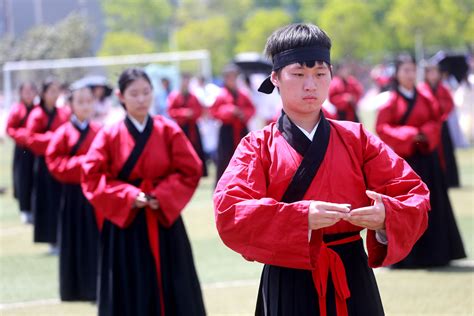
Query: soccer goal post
point(202, 56)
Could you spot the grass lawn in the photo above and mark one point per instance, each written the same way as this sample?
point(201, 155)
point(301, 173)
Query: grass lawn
point(29, 277)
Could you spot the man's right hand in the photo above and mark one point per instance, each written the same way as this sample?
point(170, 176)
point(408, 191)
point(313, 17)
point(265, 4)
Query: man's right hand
point(325, 214)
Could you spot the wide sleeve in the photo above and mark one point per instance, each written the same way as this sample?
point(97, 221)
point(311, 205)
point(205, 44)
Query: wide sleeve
point(258, 227)
point(113, 198)
point(176, 189)
point(223, 111)
point(338, 97)
point(65, 168)
point(17, 133)
point(180, 114)
point(38, 140)
point(399, 137)
point(405, 197)
point(446, 102)
point(431, 128)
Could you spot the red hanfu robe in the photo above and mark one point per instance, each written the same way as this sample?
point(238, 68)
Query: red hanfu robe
point(233, 128)
point(178, 107)
point(46, 191)
point(446, 151)
point(252, 220)
point(441, 242)
point(23, 158)
point(78, 229)
point(340, 91)
point(169, 169)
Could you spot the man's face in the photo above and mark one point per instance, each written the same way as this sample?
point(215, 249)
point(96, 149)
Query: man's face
point(302, 89)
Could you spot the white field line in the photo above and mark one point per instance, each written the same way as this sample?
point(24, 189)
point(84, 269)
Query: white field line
point(207, 286)
point(55, 301)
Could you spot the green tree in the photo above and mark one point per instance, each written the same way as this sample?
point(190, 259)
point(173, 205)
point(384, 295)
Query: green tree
point(438, 22)
point(310, 10)
point(150, 18)
point(125, 43)
point(258, 27)
point(352, 29)
point(212, 34)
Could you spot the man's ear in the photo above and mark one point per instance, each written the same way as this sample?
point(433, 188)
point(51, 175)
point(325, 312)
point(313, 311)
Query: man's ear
point(119, 95)
point(331, 69)
point(274, 79)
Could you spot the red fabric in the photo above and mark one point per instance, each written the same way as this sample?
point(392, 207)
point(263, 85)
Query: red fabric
point(329, 261)
point(16, 129)
point(442, 95)
point(252, 221)
point(425, 118)
point(168, 166)
point(224, 107)
point(66, 168)
point(178, 107)
point(39, 138)
point(340, 92)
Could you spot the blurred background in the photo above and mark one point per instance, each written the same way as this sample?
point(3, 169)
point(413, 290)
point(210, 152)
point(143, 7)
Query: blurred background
point(73, 38)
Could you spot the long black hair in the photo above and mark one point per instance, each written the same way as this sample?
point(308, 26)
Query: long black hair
point(23, 85)
point(48, 82)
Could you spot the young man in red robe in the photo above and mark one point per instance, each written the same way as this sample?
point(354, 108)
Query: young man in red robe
point(297, 193)
point(233, 109)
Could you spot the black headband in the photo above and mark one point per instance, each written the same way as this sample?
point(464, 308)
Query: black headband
point(295, 55)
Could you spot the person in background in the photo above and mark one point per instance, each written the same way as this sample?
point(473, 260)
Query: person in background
point(139, 174)
point(233, 109)
point(434, 88)
point(297, 193)
point(410, 123)
point(344, 93)
point(23, 158)
point(78, 230)
point(185, 109)
point(45, 197)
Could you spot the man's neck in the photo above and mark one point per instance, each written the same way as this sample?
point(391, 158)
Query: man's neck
point(305, 121)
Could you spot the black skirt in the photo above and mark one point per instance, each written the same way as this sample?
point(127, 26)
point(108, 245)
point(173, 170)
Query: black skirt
point(23, 161)
point(441, 242)
point(45, 202)
point(226, 147)
point(196, 141)
point(79, 246)
point(291, 292)
point(128, 280)
point(451, 170)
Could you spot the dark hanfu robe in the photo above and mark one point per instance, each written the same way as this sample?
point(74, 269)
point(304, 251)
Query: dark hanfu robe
point(446, 148)
point(46, 193)
point(23, 158)
point(78, 231)
point(261, 208)
point(340, 91)
point(178, 107)
point(398, 122)
point(233, 128)
point(146, 264)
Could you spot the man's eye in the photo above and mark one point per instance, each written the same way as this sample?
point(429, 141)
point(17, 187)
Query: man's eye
point(298, 74)
point(322, 74)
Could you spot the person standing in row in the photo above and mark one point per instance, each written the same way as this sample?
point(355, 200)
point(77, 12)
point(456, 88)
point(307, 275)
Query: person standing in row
point(139, 174)
point(23, 158)
point(185, 109)
point(233, 109)
point(410, 123)
point(78, 230)
point(433, 87)
point(344, 93)
point(298, 192)
point(41, 124)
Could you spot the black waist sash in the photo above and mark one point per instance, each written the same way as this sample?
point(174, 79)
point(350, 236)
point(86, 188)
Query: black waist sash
point(82, 137)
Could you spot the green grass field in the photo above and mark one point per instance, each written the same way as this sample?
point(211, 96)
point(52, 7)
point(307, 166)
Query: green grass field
point(29, 277)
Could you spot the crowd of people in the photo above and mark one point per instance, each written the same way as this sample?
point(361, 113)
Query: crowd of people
point(107, 193)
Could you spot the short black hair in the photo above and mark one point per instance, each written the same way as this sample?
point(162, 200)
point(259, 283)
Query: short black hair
point(294, 36)
point(129, 75)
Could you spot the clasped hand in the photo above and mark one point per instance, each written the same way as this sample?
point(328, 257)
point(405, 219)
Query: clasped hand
point(325, 214)
point(143, 200)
